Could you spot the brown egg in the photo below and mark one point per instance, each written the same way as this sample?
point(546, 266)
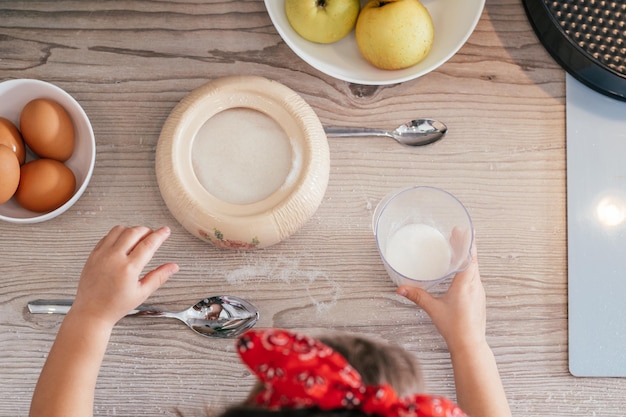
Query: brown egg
point(45, 185)
point(9, 173)
point(11, 138)
point(47, 129)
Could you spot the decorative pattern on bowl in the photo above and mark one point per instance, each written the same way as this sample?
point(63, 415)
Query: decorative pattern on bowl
point(217, 238)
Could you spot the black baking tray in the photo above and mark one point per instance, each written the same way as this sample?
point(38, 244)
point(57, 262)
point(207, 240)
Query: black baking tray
point(587, 38)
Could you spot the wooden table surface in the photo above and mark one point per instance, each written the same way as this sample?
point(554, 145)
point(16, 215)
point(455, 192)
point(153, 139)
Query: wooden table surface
point(128, 63)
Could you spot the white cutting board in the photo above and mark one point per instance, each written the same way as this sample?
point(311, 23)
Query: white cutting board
point(596, 218)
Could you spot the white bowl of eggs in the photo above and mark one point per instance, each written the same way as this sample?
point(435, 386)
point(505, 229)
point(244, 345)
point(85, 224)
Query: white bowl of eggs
point(47, 151)
point(242, 162)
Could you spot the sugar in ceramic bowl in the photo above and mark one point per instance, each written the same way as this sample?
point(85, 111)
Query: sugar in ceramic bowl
point(242, 162)
point(14, 95)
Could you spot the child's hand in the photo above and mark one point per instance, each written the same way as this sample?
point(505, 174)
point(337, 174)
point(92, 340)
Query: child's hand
point(460, 313)
point(110, 285)
point(460, 317)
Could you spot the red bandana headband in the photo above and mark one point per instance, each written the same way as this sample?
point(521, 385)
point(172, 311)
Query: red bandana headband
point(300, 372)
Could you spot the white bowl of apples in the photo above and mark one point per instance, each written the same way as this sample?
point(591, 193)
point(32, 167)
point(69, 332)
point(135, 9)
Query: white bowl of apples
point(343, 59)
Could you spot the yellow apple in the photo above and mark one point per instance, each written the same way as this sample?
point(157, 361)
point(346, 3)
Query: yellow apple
point(322, 21)
point(394, 34)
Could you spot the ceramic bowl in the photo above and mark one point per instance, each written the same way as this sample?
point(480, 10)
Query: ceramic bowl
point(454, 22)
point(14, 95)
point(242, 162)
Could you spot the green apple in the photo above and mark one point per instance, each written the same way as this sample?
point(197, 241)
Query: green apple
point(322, 21)
point(394, 34)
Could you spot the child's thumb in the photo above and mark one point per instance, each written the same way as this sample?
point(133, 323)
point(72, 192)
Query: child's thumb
point(419, 296)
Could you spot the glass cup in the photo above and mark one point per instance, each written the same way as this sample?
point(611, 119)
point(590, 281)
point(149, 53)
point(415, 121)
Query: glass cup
point(424, 235)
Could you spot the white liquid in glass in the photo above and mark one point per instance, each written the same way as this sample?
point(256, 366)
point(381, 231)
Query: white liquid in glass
point(419, 251)
point(241, 156)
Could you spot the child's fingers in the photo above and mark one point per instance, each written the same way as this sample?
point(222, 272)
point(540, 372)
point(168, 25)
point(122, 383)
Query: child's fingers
point(148, 244)
point(157, 277)
point(130, 237)
point(111, 237)
point(420, 297)
point(474, 251)
point(470, 272)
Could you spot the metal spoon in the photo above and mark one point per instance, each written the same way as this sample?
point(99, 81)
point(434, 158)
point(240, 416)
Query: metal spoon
point(219, 316)
point(414, 133)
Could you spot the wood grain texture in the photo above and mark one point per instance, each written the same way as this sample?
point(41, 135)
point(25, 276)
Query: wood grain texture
point(128, 63)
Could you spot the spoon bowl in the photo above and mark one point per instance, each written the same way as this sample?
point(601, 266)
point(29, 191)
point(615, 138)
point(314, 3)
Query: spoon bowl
point(417, 132)
point(219, 316)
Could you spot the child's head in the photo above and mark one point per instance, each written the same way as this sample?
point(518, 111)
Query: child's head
point(378, 362)
point(335, 376)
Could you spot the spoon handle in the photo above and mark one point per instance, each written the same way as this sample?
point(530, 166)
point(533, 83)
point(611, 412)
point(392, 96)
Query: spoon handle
point(49, 306)
point(63, 307)
point(346, 132)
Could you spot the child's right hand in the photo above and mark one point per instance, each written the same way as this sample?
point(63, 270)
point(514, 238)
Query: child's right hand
point(460, 314)
point(110, 285)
